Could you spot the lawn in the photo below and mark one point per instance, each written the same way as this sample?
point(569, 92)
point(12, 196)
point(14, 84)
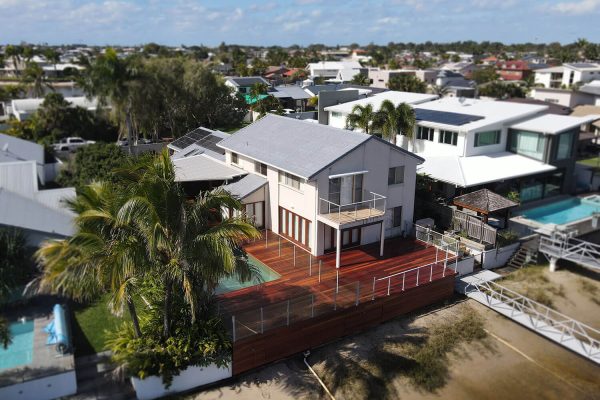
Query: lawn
point(591, 162)
point(91, 325)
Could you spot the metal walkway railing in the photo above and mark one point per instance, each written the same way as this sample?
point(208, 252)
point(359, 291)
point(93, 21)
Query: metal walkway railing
point(560, 328)
point(576, 250)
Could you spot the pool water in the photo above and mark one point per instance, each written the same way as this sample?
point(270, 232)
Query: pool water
point(20, 351)
point(265, 274)
point(564, 212)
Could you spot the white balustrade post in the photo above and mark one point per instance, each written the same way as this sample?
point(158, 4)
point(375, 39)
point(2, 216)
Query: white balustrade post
point(373, 296)
point(418, 270)
point(403, 279)
point(431, 273)
point(389, 285)
point(233, 325)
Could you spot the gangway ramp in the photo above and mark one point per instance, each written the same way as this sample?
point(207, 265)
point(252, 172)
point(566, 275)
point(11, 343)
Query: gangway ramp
point(557, 327)
point(578, 251)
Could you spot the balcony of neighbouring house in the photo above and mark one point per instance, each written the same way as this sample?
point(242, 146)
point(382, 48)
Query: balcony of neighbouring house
point(366, 206)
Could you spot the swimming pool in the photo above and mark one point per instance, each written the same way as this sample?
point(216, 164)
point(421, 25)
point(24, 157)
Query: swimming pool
point(265, 274)
point(20, 351)
point(565, 211)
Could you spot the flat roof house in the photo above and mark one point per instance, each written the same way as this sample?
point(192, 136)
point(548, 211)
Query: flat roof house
point(321, 187)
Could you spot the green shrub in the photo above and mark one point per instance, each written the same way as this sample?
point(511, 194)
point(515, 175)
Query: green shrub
point(507, 237)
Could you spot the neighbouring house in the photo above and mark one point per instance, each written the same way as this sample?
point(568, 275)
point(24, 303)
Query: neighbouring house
point(465, 68)
point(22, 109)
point(330, 69)
point(471, 144)
point(553, 108)
point(590, 133)
point(566, 97)
point(455, 84)
point(339, 113)
point(515, 70)
point(593, 90)
point(243, 84)
point(321, 187)
point(291, 97)
point(566, 75)
point(39, 213)
point(380, 77)
point(14, 149)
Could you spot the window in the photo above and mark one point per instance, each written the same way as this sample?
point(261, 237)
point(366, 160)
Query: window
point(346, 189)
point(565, 141)
point(295, 227)
point(397, 216)
point(234, 158)
point(289, 180)
point(530, 144)
point(487, 138)
point(425, 133)
point(336, 114)
point(260, 168)
point(448, 137)
point(396, 175)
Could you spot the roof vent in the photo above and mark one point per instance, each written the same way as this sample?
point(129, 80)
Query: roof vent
point(461, 99)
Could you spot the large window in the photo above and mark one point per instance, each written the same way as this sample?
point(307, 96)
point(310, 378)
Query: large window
point(260, 168)
point(487, 138)
point(448, 137)
point(294, 227)
point(397, 216)
point(346, 189)
point(565, 143)
point(425, 133)
point(530, 144)
point(396, 175)
point(289, 180)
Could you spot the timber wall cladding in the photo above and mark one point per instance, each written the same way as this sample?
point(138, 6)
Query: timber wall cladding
point(254, 351)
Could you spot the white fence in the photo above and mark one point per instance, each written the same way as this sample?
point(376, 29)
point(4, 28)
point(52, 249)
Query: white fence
point(474, 227)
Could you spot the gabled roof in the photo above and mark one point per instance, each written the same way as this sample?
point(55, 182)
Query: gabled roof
point(245, 81)
point(299, 147)
point(246, 186)
point(204, 168)
point(484, 201)
point(15, 149)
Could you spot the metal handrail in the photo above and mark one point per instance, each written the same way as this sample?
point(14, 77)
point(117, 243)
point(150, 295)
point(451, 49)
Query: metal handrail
point(372, 204)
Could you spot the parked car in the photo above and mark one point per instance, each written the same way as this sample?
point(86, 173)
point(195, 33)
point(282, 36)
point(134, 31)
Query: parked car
point(71, 144)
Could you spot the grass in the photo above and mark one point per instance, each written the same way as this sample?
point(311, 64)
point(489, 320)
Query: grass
point(233, 129)
point(91, 324)
point(591, 162)
point(532, 282)
point(590, 289)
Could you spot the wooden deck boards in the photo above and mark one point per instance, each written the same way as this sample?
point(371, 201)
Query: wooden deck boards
point(358, 268)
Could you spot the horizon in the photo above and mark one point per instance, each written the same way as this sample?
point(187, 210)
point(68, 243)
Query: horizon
point(295, 22)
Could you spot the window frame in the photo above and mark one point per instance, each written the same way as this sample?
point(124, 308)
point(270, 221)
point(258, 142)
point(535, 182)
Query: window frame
point(259, 167)
point(453, 138)
point(394, 180)
point(497, 139)
point(235, 158)
point(289, 180)
point(397, 219)
point(430, 132)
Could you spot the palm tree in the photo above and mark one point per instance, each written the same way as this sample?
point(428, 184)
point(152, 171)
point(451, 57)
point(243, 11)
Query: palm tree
point(34, 76)
point(14, 52)
point(191, 244)
point(360, 79)
point(5, 338)
point(393, 120)
point(104, 255)
point(361, 117)
point(440, 91)
point(110, 79)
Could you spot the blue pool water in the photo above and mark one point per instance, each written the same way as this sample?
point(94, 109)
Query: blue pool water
point(265, 273)
point(564, 212)
point(20, 351)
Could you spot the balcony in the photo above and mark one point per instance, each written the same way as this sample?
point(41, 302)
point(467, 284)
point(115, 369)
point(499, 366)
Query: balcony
point(372, 207)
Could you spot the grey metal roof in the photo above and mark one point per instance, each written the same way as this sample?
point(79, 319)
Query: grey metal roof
point(204, 168)
point(245, 81)
point(15, 149)
point(246, 186)
point(591, 89)
point(299, 147)
point(294, 92)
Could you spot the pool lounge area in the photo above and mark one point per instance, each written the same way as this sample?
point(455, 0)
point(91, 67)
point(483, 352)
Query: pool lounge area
point(573, 213)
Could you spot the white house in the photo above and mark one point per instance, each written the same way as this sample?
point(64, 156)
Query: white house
point(15, 149)
point(567, 74)
point(322, 187)
point(330, 69)
point(549, 77)
point(23, 108)
point(339, 112)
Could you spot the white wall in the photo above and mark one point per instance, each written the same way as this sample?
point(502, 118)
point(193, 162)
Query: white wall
point(152, 387)
point(498, 257)
point(50, 387)
point(543, 78)
point(339, 121)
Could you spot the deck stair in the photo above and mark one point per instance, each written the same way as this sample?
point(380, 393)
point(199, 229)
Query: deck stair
point(524, 256)
point(557, 327)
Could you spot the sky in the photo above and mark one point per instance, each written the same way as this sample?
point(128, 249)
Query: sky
point(287, 22)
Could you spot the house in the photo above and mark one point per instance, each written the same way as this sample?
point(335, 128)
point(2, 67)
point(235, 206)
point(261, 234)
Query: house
point(549, 77)
point(567, 97)
point(516, 70)
point(321, 187)
point(471, 144)
point(593, 90)
point(243, 84)
point(380, 77)
point(465, 68)
point(455, 84)
point(22, 109)
point(567, 75)
point(339, 113)
point(291, 97)
point(39, 213)
point(330, 69)
point(13, 149)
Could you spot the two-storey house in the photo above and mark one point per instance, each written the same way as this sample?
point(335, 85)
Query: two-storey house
point(321, 187)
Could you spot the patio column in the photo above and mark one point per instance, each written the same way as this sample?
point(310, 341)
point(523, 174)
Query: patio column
point(382, 239)
point(338, 247)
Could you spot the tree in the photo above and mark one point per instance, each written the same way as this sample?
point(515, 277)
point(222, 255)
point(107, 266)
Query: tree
point(360, 79)
point(34, 77)
point(52, 56)
point(14, 52)
point(501, 90)
point(14, 265)
point(94, 162)
point(361, 117)
point(5, 337)
point(441, 91)
point(407, 83)
point(485, 75)
point(190, 243)
point(393, 120)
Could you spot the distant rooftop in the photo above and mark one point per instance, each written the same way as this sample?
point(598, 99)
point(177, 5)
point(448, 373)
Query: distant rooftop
point(246, 81)
point(376, 100)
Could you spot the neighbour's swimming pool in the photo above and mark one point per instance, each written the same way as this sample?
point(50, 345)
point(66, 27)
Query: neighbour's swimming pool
point(265, 274)
point(565, 211)
point(20, 351)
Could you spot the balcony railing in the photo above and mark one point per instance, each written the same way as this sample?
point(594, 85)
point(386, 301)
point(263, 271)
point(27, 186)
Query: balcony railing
point(372, 206)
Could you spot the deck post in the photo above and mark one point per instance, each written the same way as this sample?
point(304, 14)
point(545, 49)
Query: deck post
point(233, 325)
point(431, 273)
point(403, 279)
point(382, 240)
point(262, 321)
point(320, 264)
point(553, 261)
point(337, 280)
point(338, 249)
point(374, 280)
point(418, 270)
point(294, 247)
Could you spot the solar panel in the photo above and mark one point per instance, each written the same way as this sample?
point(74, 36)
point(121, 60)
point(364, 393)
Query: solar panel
point(444, 117)
point(210, 143)
point(182, 142)
point(190, 138)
